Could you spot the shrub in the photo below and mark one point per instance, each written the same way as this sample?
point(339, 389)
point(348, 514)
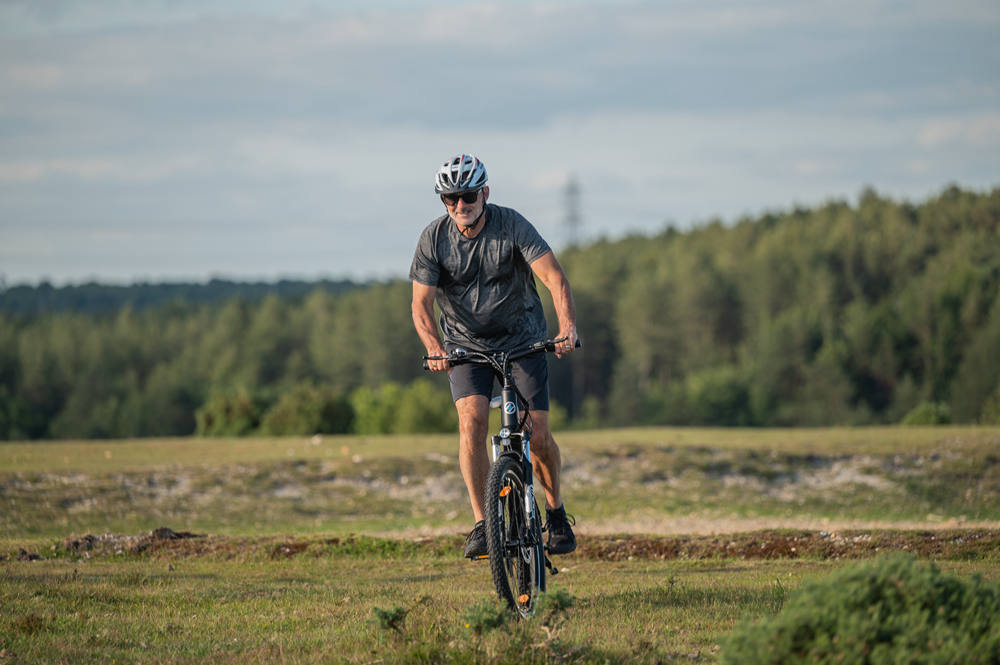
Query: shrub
point(424, 407)
point(419, 407)
point(718, 396)
point(229, 414)
point(375, 410)
point(892, 610)
point(990, 414)
point(309, 409)
point(928, 413)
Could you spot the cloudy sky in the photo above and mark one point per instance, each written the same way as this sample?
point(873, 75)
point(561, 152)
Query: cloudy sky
point(185, 139)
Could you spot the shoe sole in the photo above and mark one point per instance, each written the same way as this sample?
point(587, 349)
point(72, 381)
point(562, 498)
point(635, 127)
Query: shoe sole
point(552, 550)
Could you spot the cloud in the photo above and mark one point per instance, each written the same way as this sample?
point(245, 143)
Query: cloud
point(978, 131)
point(310, 126)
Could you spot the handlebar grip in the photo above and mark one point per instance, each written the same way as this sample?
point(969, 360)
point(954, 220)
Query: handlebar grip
point(550, 345)
point(452, 360)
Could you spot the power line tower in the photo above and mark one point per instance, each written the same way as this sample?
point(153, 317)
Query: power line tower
point(573, 220)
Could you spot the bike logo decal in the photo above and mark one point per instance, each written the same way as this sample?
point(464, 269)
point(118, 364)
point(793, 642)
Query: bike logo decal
point(510, 407)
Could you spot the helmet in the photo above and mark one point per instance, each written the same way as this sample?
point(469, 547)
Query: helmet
point(461, 173)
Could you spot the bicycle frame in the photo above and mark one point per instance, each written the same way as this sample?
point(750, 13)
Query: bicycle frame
point(512, 446)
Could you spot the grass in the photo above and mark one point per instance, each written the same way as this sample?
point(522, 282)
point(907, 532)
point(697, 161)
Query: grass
point(322, 609)
point(125, 455)
point(636, 480)
point(276, 576)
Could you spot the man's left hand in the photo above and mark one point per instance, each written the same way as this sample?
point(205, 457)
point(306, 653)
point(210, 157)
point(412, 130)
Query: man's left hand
point(568, 343)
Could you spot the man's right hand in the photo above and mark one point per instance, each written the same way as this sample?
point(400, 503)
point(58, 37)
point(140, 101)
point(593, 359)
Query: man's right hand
point(437, 365)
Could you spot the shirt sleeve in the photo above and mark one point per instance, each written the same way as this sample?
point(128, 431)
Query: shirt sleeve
point(531, 244)
point(425, 267)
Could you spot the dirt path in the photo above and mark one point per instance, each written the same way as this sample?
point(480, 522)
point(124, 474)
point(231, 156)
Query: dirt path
point(966, 543)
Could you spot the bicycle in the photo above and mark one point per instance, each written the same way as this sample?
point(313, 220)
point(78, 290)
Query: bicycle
point(516, 551)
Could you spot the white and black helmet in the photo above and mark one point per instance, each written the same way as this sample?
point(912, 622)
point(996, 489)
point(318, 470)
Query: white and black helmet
point(462, 173)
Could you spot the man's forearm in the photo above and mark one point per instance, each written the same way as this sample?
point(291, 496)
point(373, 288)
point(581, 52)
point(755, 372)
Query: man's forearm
point(426, 327)
point(562, 302)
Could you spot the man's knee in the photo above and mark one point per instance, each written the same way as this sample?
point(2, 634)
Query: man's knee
point(541, 434)
point(473, 414)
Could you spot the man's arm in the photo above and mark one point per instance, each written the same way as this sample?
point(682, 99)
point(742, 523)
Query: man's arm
point(422, 309)
point(551, 273)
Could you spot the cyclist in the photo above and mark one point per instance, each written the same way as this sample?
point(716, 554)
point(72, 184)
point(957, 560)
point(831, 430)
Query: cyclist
point(478, 262)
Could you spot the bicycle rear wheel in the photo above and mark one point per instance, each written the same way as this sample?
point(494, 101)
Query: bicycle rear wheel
point(513, 538)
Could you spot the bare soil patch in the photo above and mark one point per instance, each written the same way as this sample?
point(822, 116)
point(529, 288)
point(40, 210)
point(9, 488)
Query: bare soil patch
point(949, 544)
point(959, 544)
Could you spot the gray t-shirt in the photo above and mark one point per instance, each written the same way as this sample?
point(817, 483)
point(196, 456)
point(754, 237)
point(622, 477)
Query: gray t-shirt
point(485, 287)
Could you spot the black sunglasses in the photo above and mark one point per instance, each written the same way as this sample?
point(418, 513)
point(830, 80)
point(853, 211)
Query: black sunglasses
point(468, 197)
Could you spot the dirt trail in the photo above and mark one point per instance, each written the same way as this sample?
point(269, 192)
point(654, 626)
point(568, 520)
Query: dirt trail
point(967, 543)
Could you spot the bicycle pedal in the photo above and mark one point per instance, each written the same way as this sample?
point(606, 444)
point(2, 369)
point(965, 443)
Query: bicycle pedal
point(480, 557)
point(552, 569)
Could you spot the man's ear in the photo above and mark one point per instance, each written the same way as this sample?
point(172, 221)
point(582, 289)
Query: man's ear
point(486, 193)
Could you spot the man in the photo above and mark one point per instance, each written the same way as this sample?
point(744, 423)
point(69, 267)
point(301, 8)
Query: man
point(478, 261)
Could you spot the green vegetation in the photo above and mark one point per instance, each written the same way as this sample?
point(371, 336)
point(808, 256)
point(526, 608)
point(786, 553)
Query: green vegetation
point(840, 315)
point(95, 298)
point(893, 610)
point(351, 609)
point(346, 549)
point(328, 605)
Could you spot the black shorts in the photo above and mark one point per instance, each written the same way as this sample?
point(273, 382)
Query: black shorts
point(531, 375)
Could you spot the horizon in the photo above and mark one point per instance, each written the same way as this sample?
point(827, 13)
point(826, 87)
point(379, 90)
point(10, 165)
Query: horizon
point(263, 280)
point(176, 142)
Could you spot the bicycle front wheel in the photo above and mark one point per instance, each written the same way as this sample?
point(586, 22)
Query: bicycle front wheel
point(513, 537)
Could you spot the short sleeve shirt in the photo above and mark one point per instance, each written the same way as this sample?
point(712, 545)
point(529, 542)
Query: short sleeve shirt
point(485, 287)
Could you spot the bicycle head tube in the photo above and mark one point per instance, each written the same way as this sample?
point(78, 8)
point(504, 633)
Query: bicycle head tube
point(509, 412)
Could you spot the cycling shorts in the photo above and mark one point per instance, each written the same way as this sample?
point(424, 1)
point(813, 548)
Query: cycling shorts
point(531, 376)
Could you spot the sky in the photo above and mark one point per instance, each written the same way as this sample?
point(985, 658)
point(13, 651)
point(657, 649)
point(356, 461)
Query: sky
point(185, 140)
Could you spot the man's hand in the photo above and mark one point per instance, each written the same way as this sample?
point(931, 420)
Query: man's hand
point(568, 344)
point(437, 365)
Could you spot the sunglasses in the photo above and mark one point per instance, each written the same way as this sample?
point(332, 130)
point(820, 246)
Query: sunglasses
point(467, 197)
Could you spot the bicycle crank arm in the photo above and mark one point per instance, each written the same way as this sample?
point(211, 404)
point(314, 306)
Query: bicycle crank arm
point(552, 568)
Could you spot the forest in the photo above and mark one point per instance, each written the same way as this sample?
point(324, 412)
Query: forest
point(876, 312)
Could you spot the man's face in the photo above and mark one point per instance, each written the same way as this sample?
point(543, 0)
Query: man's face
point(461, 211)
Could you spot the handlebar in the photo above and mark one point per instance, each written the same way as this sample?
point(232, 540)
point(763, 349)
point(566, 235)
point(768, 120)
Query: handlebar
point(462, 356)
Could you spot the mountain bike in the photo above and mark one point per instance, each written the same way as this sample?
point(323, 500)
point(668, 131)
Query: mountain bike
point(516, 551)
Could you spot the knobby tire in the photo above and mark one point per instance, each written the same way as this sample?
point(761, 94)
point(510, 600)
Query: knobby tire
point(517, 556)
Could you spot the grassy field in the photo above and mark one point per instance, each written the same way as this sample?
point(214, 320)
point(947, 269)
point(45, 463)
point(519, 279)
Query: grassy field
point(346, 549)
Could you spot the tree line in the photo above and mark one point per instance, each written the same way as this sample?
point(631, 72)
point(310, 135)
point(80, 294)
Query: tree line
point(93, 297)
point(879, 312)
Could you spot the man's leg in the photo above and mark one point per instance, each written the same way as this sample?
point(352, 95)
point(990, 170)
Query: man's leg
point(547, 463)
point(473, 427)
point(545, 458)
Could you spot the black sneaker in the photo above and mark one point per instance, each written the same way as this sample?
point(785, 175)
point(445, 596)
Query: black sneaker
point(561, 538)
point(475, 544)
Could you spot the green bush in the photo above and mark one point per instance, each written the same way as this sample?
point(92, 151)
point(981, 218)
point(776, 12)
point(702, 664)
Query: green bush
point(375, 409)
point(420, 407)
point(892, 610)
point(424, 407)
point(928, 413)
point(229, 414)
point(309, 409)
point(719, 396)
point(990, 414)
